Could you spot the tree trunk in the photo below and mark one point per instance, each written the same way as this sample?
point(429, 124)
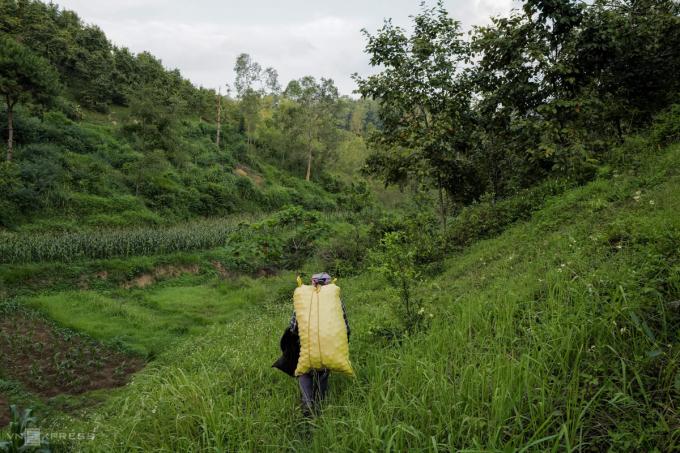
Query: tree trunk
point(309, 156)
point(283, 157)
point(10, 131)
point(442, 209)
point(219, 118)
point(309, 164)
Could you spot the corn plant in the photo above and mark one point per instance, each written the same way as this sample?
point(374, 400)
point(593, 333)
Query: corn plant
point(19, 423)
point(108, 243)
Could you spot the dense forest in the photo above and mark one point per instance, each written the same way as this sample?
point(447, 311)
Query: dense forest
point(499, 205)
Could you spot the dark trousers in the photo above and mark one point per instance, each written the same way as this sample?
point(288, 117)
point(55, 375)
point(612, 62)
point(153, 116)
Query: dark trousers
point(313, 387)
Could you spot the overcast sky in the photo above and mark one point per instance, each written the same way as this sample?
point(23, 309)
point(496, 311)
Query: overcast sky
point(203, 37)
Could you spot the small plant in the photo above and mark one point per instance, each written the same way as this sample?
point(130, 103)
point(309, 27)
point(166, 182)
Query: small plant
point(20, 422)
point(395, 259)
point(390, 335)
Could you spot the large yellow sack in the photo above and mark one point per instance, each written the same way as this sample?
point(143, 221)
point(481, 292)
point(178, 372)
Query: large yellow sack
point(321, 326)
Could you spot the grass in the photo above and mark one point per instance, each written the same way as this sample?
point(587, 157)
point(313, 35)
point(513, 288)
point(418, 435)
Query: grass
point(149, 321)
point(562, 333)
point(559, 334)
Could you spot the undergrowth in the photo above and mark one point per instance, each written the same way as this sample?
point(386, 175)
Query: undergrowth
point(559, 334)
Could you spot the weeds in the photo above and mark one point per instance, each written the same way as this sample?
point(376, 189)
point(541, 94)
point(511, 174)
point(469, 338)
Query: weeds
point(546, 338)
point(558, 334)
point(20, 422)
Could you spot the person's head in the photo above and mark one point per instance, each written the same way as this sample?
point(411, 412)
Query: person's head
point(321, 279)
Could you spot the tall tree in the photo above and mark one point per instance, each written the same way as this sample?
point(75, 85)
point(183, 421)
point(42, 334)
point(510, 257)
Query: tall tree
point(252, 83)
point(248, 73)
point(219, 117)
point(629, 50)
point(24, 77)
point(424, 103)
point(271, 81)
point(316, 104)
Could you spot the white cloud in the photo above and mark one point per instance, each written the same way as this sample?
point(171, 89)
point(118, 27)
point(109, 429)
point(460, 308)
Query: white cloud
point(297, 41)
point(205, 53)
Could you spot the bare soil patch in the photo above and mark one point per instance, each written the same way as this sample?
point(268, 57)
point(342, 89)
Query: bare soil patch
point(246, 172)
point(141, 281)
point(222, 271)
point(160, 273)
point(49, 361)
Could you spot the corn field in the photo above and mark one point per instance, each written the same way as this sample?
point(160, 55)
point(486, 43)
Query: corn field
point(206, 234)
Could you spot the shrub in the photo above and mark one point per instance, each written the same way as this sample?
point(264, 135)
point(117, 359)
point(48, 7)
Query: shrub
point(356, 198)
point(421, 228)
point(10, 188)
point(42, 176)
point(82, 204)
point(344, 252)
point(330, 183)
point(302, 241)
point(488, 218)
point(250, 250)
point(666, 127)
point(630, 154)
point(292, 215)
point(395, 260)
point(276, 197)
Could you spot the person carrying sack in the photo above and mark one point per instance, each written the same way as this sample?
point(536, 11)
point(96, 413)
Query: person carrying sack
point(317, 339)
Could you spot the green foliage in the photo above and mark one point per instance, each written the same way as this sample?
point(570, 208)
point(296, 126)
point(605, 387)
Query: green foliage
point(535, 283)
point(291, 215)
point(395, 260)
point(96, 72)
point(124, 126)
point(66, 169)
point(24, 77)
point(549, 90)
point(590, 327)
point(310, 118)
point(419, 226)
point(424, 103)
point(10, 186)
point(343, 253)
point(666, 127)
point(356, 198)
point(19, 423)
point(489, 218)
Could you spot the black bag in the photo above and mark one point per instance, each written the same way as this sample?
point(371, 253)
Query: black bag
point(290, 349)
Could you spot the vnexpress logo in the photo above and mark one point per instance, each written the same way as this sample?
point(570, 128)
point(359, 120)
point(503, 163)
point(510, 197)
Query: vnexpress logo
point(32, 437)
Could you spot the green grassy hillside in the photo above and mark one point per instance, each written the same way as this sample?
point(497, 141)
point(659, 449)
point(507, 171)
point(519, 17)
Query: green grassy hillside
point(74, 175)
point(95, 136)
point(561, 333)
point(517, 290)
